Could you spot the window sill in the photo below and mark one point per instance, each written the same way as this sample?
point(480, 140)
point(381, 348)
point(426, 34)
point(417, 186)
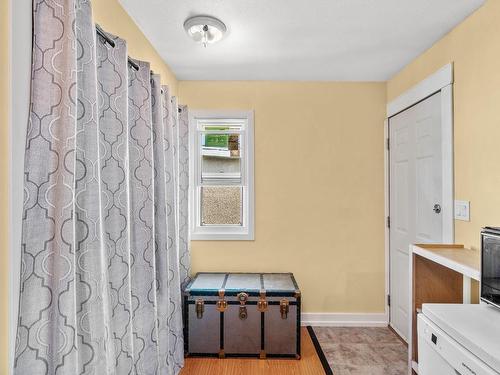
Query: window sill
point(222, 237)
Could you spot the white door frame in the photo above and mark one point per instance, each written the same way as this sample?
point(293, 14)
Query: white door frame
point(442, 81)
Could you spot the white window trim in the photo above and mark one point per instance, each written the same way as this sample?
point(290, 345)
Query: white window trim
point(222, 233)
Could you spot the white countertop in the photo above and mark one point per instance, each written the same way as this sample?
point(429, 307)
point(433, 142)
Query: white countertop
point(464, 261)
point(476, 327)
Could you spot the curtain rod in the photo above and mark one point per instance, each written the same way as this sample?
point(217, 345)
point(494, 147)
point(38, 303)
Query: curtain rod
point(111, 42)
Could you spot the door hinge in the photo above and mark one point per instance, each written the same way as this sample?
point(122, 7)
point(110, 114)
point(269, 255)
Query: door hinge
point(388, 221)
point(388, 300)
point(387, 144)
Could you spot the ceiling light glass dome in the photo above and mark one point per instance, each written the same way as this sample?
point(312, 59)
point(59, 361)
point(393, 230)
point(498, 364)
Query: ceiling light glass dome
point(205, 29)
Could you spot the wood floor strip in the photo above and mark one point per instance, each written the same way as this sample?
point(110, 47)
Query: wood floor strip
point(310, 364)
point(319, 351)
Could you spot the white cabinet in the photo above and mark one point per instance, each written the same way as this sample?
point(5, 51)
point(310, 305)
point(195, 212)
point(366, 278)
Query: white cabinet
point(458, 339)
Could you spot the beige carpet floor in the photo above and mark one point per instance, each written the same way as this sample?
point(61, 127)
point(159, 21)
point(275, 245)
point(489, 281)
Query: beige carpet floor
point(363, 351)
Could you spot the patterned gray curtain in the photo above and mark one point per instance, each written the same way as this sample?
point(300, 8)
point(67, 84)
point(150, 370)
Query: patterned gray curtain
point(183, 207)
point(101, 271)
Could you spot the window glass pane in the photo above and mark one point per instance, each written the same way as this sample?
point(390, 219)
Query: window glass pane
point(220, 145)
point(221, 160)
point(221, 205)
point(218, 126)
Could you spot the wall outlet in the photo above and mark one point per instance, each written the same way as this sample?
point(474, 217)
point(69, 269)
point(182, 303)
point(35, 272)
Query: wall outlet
point(462, 210)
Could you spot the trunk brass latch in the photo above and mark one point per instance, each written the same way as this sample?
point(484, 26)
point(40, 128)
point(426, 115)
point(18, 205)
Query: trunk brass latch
point(243, 312)
point(262, 303)
point(221, 303)
point(200, 308)
point(284, 308)
point(243, 297)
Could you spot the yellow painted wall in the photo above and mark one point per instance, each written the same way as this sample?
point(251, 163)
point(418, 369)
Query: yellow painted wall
point(474, 47)
point(319, 187)
point(4, 183)
point(111, 16)
point(319, 163)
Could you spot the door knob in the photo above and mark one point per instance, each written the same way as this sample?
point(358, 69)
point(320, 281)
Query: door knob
point(437, 208)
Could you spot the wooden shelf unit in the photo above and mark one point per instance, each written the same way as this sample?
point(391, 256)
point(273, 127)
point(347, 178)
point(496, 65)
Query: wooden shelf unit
point(439, 273)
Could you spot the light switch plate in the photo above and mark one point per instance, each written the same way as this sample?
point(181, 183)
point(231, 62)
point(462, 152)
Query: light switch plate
point(462, 210)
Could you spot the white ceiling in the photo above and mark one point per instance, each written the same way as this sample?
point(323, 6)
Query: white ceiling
point(324, 40)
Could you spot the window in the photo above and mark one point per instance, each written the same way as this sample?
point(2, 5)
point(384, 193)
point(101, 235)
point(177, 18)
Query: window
point(222, 174)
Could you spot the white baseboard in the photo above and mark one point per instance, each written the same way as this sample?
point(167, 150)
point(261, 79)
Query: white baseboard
point(345, 319)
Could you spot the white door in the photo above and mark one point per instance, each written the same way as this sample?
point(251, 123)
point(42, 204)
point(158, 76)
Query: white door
point(415, 196)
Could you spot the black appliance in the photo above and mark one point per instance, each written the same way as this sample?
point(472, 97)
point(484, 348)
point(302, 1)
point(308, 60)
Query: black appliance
point(490, 265)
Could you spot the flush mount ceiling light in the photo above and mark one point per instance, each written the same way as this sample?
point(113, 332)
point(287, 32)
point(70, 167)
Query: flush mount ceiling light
point(205, 29)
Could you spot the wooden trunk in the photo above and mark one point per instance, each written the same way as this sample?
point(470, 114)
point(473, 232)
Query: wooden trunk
point(242, 315)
